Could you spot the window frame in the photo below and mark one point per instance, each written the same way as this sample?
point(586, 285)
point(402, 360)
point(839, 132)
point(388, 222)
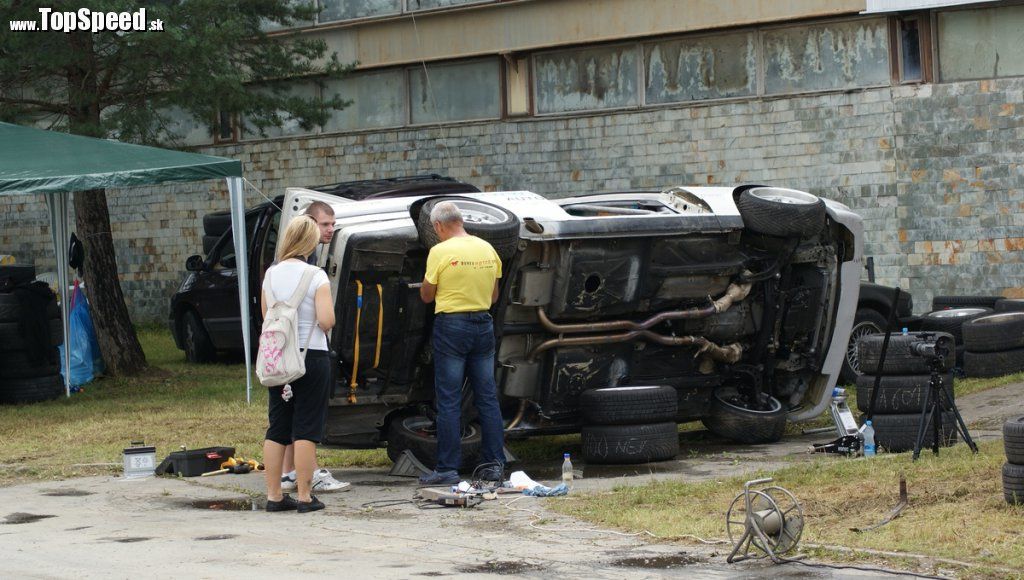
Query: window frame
point(924, 41)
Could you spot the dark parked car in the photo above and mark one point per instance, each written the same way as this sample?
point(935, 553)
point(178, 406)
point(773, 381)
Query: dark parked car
point(204, 315)
point(872, 314)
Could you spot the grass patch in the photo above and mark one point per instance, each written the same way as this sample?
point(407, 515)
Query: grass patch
point(956, 508)
point(174, 403)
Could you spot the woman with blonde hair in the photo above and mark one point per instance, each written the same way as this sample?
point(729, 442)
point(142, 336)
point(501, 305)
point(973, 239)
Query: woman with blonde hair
point(300, 418)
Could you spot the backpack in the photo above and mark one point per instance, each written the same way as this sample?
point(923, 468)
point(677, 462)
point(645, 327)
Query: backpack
point(280, 360)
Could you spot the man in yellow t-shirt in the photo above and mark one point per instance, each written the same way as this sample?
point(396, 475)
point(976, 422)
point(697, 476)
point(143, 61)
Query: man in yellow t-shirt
point(462, 280)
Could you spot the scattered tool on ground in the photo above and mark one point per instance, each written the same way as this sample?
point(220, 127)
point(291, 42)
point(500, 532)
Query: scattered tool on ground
point(237, 465)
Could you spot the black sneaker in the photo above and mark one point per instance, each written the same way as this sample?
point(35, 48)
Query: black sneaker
point(492, 473)
point(309, 506)
point(287, 503)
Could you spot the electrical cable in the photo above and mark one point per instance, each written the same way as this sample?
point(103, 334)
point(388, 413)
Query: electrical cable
point(860, 568)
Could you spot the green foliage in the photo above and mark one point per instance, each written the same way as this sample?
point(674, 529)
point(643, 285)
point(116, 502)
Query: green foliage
point(209, 59)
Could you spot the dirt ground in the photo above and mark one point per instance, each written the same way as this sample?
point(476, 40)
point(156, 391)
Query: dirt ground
point(108, 527)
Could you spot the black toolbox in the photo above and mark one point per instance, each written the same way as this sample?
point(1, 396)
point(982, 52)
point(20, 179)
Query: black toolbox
point(194, 462)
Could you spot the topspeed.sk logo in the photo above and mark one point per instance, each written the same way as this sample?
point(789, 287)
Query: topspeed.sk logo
point(87, 20)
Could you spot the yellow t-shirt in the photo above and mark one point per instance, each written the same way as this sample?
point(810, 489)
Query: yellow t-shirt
point(464, 269)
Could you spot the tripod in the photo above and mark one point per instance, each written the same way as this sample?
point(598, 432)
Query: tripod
point(937, 399)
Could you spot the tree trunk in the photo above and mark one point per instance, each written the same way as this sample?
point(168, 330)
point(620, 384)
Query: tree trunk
point(121, 350)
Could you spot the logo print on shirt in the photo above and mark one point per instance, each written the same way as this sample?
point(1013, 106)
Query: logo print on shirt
point(455, 263)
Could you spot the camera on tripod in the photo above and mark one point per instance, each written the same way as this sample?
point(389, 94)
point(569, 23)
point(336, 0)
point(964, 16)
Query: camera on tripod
point(934, 347)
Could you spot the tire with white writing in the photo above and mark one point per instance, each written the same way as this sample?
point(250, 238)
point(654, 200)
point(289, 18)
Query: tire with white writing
point(629, 444)
point(898, 394)
point(898, 433)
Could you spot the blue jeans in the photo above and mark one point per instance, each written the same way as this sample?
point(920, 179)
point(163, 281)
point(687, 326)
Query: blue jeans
point(464, 348)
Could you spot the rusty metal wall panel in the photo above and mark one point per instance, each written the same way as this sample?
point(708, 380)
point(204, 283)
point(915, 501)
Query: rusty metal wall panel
point(826, 56)
point(351, 9)
point(985, 43)
point(593, 78)
point(709, 67)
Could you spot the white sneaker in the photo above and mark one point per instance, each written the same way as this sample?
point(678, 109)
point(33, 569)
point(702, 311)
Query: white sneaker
point(288, 481)
point(324, 481)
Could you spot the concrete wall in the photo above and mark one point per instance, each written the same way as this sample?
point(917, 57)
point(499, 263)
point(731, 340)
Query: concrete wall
point(934, 169)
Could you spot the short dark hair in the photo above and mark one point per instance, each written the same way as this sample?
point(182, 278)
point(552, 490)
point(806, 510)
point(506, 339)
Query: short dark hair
point(319, 207)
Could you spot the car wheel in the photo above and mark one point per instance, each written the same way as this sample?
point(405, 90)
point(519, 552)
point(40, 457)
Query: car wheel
point(31, 390)
point(866, 322)
point(1010, 305)
point(993, 364)
point(952, 320)
point(898, 433)
point(198, 347)
point(1013, 483)
point(483, 220)
point(899, 359)
point(1013, 440)
point(733, 417)
point(629, 405)
point(216, 223)
point(943, 302)
point(628, 444)
point(781, 212)
point(994, 333)
point(417, 433)
point(898, 393)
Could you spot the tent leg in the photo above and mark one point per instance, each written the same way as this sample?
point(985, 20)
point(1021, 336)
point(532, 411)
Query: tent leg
point(57, 203)
point(242, 268)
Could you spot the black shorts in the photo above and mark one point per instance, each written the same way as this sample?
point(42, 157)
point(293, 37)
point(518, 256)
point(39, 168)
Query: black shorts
point(305, 415)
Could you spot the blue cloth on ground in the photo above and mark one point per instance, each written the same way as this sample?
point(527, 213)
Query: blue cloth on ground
point(545, 491)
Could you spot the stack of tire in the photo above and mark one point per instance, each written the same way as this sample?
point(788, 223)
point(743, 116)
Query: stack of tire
point(904, 381)
point(952, 320)
point(1013, 469)
point(995, 344)
point(29, 372)
point(630, 424)
point(214, 226)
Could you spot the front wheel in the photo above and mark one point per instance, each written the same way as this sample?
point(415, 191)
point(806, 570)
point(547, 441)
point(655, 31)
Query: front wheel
point(734, 416)
point(198, 346)
point(418, 434)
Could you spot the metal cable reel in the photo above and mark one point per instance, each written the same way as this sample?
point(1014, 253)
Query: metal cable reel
point(765, 522)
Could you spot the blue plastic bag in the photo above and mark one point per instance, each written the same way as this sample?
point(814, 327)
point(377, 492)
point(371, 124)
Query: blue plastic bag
point(86, 361)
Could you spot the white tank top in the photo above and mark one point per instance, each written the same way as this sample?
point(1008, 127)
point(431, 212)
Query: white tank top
point(284, 277)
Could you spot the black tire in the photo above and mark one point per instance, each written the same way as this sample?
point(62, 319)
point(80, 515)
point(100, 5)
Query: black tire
point(1013, 440)
point(416, 433)
point(899, 360)
point(31, 390)
point(867, 321)
point(1010, 305)
point(629, 405)
point(17, 365)
point(730, 417)
point(1013, 483)
point(898, 394)
point(993, 364)
point(197, 343)
point(898, 433)
point(942, 302)
point(216, 223)
point(996, 332)
point(12, 339)
point(208, 243)
point(502, 233)
point(781, 212)
point(951, 320)
point(627, 444)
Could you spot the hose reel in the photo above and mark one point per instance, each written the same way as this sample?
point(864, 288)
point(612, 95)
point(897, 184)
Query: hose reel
point(764, 522)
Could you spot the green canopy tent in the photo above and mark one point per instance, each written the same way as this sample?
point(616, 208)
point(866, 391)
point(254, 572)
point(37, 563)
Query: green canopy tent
point(54, 164)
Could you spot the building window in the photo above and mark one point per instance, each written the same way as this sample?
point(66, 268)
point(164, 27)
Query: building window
point(376, 99)
point(586, 79)
point(835, 55)
point(455, 92)
point(711, 67)
point(183, 128)
point(289, 126)
point(982, 43)
point(415, 5)
point(334, 10)
point(910, 49)
point(269, 26)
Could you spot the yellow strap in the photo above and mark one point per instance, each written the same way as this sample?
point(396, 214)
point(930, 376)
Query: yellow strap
point(380, 324)
point(355, 351)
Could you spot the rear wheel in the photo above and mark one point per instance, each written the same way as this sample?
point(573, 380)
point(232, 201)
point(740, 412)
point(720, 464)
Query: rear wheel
point(781, 212)
point(418, 434)
point(867, 322)
point(734, 416)
point(198, 347)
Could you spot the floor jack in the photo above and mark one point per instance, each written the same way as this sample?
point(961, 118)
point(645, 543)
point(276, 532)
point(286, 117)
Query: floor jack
point(849, 438)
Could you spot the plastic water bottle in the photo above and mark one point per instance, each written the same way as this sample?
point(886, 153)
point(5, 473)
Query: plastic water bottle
point(869, 439)
point(904, 331)
point(567, 471)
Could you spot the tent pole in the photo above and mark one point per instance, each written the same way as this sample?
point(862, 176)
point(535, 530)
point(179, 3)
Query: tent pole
point(57, 203)
point(242, 269)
